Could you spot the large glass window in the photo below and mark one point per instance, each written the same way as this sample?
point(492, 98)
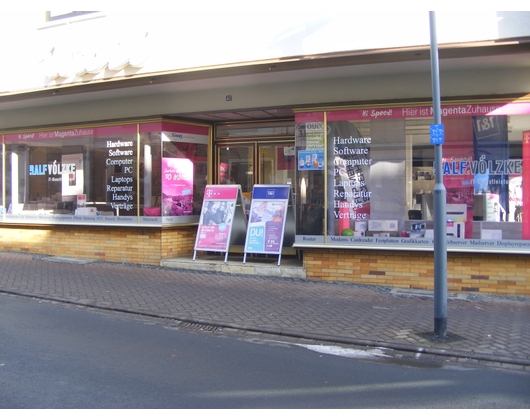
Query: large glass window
point(2, 210)
point(125, 174)
point(72, 175)
point(309, 196)
point(184, 175)
point(379, 177)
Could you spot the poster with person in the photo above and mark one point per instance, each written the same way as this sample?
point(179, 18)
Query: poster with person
point(216, 221)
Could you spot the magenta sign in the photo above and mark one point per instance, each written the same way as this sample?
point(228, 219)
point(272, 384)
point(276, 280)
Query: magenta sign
point(216, 218)
point(177, 187)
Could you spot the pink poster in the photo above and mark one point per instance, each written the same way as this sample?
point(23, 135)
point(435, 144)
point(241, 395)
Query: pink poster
point(458, 181)
point(216, 218)
point(526, 185)
point(177, 187)
point(223, 173)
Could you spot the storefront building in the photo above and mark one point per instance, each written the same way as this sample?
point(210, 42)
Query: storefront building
point(112, 162)
point(105, 191)
point(366, 180)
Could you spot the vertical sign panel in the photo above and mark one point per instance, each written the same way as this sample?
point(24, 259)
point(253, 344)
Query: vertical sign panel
point(526, 185)
point(177, 187)
point(458, 180)
point(266, 226)
point(217, 217)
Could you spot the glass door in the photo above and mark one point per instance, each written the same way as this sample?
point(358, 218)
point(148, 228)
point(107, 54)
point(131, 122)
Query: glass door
point(237, 166)
point(276, 163)
point(256, 162)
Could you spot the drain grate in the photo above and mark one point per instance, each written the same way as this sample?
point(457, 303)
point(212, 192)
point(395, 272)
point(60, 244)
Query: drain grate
point(199, 327)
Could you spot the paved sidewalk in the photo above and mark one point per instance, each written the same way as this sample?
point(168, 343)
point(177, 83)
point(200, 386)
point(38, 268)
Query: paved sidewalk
point(483, 328)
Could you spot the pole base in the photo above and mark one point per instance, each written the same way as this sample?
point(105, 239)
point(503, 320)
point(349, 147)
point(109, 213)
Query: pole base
point(440, 327)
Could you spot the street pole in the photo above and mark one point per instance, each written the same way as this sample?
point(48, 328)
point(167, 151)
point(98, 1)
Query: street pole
point(440, 227)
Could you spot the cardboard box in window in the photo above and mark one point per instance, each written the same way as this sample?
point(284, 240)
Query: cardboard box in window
point(417, 230)
point(383, 225)
point(86, 211)
point(361, 226)
point(491, 234)
point(378, 234)
point(456, 229)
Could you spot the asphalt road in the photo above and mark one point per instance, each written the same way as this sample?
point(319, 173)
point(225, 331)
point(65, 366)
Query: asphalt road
point(55, 355)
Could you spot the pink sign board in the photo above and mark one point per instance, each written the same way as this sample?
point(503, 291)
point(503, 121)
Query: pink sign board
point(216, 220)
point(177, 187)
point(225, 193)
point(526, 184)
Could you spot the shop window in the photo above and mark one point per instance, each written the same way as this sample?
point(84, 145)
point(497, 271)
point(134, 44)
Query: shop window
point(173, 172)
point(125, 174)
point(2, 211)
point(184, 170)
point(310, 179)
point(71, 175)
point(376, 186)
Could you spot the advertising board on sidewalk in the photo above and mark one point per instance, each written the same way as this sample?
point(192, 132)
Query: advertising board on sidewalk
point(221, 214)
point(266, 226)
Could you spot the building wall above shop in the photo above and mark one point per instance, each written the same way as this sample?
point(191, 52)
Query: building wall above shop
point(249, 93)
point(114, 65)
point(102, 46)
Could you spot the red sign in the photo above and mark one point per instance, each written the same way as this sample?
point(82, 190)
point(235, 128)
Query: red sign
point(526, 185)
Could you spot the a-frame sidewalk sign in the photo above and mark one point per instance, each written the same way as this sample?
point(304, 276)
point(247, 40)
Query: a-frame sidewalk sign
point(269, 209)
point(222, 222)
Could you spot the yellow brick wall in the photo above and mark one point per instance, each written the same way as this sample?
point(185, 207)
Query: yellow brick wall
point(177, 242)
point(120, 244)
point(494, 274)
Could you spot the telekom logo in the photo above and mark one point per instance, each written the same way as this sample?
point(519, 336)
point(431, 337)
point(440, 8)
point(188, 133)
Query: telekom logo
point(209, 193)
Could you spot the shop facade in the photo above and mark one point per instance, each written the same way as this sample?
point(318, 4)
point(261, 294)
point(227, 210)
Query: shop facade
point(109, 191)
point(362, 181)
point(122, 178)
point(365, 195)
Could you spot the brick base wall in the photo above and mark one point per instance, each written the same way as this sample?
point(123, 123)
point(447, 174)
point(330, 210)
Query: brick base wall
point(177, 242)
point(120, 244)
point(493, 274)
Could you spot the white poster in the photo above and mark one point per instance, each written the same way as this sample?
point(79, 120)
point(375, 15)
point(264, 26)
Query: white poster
point(72, 174)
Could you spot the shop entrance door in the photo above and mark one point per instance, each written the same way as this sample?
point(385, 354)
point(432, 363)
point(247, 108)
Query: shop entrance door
point(255, 163)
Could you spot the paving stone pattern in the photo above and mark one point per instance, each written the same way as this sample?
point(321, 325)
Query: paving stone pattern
point(490, 328)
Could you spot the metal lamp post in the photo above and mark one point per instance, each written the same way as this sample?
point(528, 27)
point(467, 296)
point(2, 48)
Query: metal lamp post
point(440, 227)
